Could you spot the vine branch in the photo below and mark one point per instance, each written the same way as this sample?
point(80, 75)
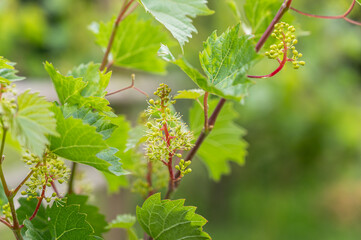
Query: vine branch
point(42, 196)
point(343, 16)
point(284, 8)
point(121, 16)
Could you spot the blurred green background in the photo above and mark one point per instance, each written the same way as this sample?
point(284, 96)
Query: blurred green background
point(302, 177)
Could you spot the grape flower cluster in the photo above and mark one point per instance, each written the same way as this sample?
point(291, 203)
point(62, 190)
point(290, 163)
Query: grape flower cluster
point(167, 136)
point(45, 172)
point(285, 40)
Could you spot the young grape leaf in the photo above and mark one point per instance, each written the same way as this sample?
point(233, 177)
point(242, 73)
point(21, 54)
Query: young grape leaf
point(135, 44)
point(97, 81)
point(223, 144)
point(33, 122)
point(170, 220)
point(189, 94)
point(81, 143)
point(123, 221)
point(226, 60)
point(67, 223)
point(67, 88)
point(177, 16)
point(40, 222)
point(8, 72)
point(75, 91)
point(93, 217)
point(4, 63)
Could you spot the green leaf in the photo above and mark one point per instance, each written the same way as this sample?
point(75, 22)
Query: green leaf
point(223, 144)
point(235, 10)
point(189, 94)
point(119, 140)
point(33, 122)
point(32, 232)
point(102, 124)
point(82, 90)
point(67, 88)
point(177, 16)
point(38, 225)
point(358, 1)
point(170, 220)
point(135, 45)
point(96, 81)
point(93, 217)
point(4, 63)
point(125, 221)
point(122, 221)
point(8, 72)
point(81, 143)
point(67, 223)
point(259, 14)
point(226, 60)
point(8, 75)
point(131, 234)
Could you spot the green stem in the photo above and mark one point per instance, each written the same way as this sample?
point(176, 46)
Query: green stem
point(16, 227)
point(71, 180)
point(2, 176)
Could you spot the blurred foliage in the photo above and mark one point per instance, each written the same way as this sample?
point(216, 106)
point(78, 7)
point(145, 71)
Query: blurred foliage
point(302, 177)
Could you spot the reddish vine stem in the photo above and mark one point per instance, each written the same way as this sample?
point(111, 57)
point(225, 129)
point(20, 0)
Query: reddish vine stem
point(352, 21)
point(55, 189)
point(149, 178)
point(132, 85)
point(203, 135)
point(120, 17)
point(42, 196)
point(284, 8)
point(343, 16)
point(282, 63)
point(6, 223)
